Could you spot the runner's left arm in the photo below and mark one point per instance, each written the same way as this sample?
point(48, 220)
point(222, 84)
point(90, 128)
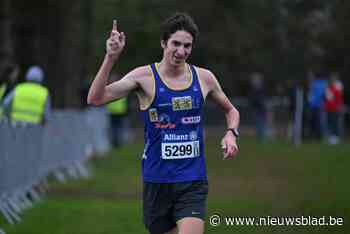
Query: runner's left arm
point(215, 92)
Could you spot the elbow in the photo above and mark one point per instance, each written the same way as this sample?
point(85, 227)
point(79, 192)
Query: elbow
point(90, 100)
point(236, 112)
point(93, 101)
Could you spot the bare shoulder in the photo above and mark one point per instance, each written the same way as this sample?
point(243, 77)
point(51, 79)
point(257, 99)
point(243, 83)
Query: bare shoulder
point(140, 73)
point(143, 76)
point(207, 80)
point(206, 76)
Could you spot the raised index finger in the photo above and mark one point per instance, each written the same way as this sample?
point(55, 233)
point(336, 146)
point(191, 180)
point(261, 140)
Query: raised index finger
point(114, 28)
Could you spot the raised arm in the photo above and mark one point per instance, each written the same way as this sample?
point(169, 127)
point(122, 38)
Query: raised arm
point(101, 93)
point(215, 92)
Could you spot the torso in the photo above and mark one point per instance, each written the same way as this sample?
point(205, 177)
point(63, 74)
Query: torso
point(145, 81)
point(174, 150)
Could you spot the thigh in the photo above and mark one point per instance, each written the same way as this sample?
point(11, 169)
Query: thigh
point(157, 208)
point(190, 200)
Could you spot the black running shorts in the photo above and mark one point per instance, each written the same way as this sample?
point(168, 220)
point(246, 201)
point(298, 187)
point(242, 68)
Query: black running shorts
point(166, 203)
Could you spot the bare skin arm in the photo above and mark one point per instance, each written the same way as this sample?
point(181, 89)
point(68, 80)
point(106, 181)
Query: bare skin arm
point(101, 93)
point(212, 89)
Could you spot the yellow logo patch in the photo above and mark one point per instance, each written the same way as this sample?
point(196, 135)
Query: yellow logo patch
point(182, 103)
point(153, 115)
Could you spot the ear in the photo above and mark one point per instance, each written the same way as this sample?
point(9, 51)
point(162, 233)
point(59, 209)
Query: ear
point(163, 44)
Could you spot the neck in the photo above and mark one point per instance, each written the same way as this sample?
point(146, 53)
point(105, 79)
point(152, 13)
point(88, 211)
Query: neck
point(170, 70)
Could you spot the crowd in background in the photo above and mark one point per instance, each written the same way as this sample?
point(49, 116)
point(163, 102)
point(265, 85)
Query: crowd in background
point(322, 106)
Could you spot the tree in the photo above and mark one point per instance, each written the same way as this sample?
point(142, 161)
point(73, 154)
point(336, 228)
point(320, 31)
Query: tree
point(55, 35)
point(6, 45)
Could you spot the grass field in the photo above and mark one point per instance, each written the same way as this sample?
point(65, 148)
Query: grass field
point(267, 179)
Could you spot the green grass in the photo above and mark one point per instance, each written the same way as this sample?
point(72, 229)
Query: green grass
point(266, 179)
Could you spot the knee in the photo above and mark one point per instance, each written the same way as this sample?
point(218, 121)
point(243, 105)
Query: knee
point(173, 231)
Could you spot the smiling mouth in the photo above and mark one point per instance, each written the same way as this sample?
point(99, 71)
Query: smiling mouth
point(177, 59)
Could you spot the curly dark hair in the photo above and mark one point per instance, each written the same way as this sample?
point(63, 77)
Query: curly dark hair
point(176, 22)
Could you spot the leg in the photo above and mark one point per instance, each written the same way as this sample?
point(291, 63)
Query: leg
point(190, 207)
point(173, 231)
point(157, 207)
point(190, 225)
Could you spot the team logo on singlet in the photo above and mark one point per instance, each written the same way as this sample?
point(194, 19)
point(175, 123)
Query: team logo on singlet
point(164, 122)
point(182, 103)
point(191, 119)
point(153, 115)
point(193, 135)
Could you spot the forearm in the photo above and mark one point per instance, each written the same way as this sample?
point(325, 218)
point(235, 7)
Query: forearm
point(232, 117)
point(229, 143)
point(97, 89)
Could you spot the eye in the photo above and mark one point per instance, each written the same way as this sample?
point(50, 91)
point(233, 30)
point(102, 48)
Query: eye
point(188, 45)
point(176, 43)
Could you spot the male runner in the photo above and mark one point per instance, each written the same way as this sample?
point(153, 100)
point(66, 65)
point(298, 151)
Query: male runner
point(171, 95)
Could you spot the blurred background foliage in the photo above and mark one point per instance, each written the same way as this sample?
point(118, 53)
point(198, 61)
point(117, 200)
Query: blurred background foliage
point(282, 38)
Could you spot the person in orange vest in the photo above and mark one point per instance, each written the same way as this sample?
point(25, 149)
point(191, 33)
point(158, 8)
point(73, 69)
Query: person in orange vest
point(29, 102)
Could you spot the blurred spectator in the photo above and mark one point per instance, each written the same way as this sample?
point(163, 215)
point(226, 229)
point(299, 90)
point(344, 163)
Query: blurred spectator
point(29, 102)
point(296, 110)
point(8, 78)
point(258, 102)
point(118, 111)
point(292, 89)
point(316, 104)
point(334, 106)
point(84, 90)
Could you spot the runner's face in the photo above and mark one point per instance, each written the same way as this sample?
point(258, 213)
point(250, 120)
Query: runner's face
point(178, 47)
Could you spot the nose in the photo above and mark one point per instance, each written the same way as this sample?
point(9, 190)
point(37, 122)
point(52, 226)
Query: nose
point(181, 51)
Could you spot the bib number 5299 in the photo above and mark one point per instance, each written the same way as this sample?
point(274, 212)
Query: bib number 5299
point(180, 150)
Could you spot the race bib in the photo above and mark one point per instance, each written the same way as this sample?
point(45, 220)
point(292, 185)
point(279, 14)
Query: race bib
point(180, 150)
